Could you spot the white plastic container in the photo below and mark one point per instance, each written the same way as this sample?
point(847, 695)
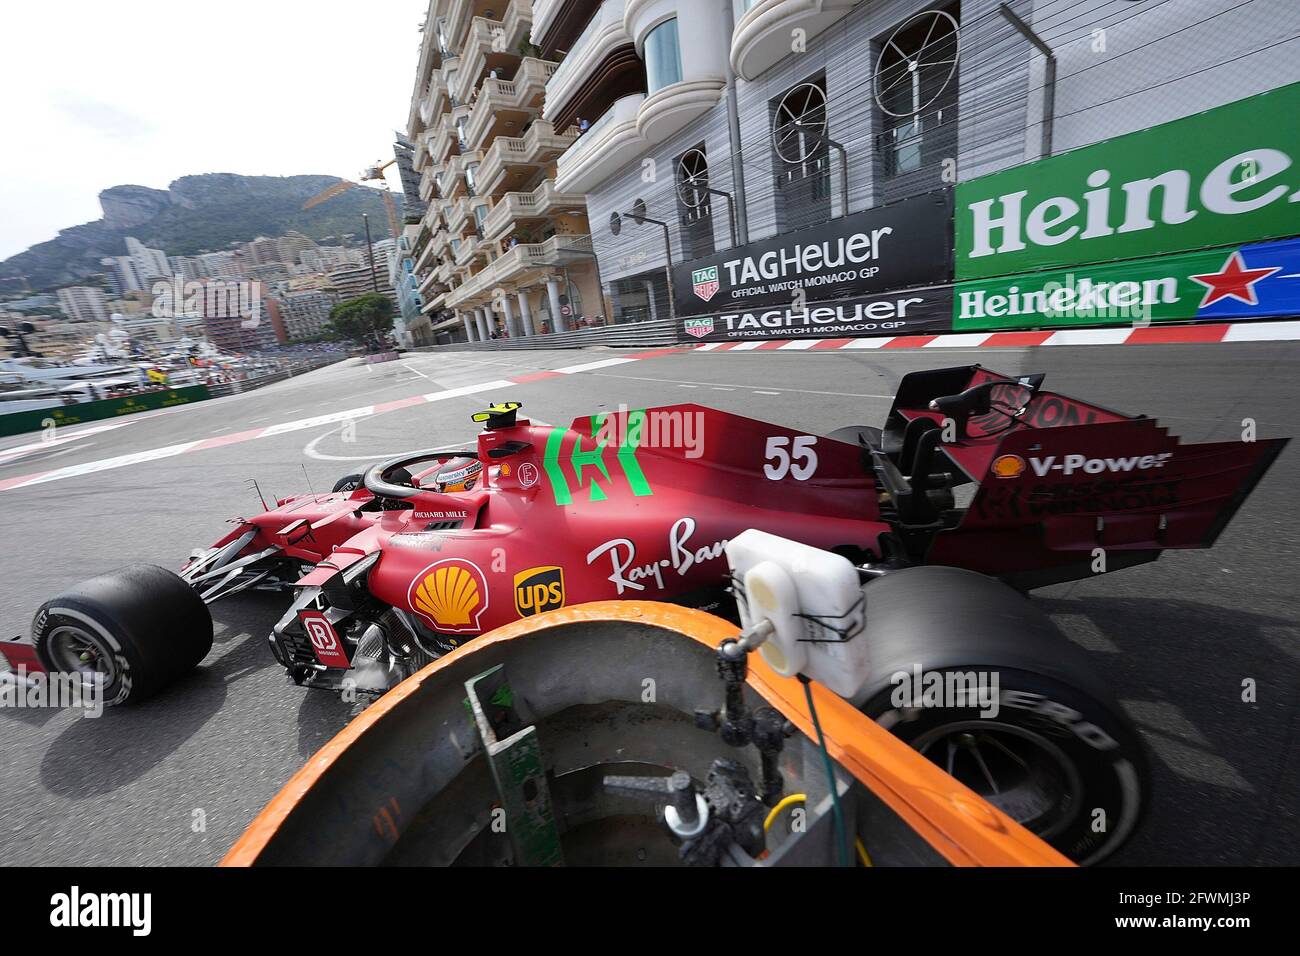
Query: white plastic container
point(815, 603)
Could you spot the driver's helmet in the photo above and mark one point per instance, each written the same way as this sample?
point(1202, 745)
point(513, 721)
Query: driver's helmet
point(458, 474)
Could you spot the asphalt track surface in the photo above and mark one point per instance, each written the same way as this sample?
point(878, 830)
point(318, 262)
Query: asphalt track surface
point(176, 780)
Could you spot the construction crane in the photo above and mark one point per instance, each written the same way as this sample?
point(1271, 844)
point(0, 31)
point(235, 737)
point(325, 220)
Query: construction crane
point(375, 172)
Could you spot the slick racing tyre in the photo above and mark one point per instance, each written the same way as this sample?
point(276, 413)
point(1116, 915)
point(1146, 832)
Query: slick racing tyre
point(348, 483)
point(977, 679)
point(140, 628)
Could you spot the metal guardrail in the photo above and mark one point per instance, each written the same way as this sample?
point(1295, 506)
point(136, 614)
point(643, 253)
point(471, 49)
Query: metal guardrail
point(632, 335)
point(250, 384)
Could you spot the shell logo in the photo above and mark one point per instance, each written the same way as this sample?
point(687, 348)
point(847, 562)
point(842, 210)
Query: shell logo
point(451, 595)
point(1008, 466)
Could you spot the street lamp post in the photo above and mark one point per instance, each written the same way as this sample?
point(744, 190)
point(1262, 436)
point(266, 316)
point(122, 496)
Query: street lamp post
point(638, 216)
point(370, 252)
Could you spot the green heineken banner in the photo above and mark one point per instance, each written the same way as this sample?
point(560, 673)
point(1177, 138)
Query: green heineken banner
point(1227, 175)
point(1258, 280)
point(16, 423)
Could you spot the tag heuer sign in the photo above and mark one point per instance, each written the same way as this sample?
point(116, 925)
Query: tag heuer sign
point(705, 282)
point(699, 328)
point(901, 245)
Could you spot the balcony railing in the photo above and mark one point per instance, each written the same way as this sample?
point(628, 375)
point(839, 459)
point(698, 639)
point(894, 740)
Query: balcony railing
point(601, 150)
point(539, 145)
point(543, 201)
point(518, 261)
point(523, 94)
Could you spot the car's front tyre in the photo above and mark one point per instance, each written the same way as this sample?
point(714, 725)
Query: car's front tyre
point(134, 630)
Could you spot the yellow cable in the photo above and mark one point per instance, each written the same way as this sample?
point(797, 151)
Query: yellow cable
point(776, 810)
point(862, 852)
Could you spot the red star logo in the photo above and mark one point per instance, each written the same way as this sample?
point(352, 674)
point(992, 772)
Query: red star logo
point(1233, 280)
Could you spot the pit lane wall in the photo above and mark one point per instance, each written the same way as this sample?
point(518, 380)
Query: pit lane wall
point(18, 423)
point(1193, 220)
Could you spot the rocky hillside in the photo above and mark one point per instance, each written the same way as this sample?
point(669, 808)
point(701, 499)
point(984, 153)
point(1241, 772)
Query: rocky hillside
point(195, 214)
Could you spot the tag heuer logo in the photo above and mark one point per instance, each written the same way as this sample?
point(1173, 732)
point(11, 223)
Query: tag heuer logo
point(699, 327)
point(705, 282)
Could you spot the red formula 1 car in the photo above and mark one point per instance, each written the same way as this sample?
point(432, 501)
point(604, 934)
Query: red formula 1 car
point(977, 481)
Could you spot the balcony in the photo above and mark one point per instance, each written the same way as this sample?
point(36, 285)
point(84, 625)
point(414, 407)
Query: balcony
point(762, 34)
point(439, 242)
point(666, 111)
point(518, 23)
point(435, 100)
point(446, 142)
point(426, 258)
point(457, 216)
point(428, 181)
point(467, 251)
point(523, 264)
point(610, 144)
point(518, 155)
point(456, 21)
point(503, 105)
point(544, 12)
point(485, 43)
point(603, 36)
point(514, 209)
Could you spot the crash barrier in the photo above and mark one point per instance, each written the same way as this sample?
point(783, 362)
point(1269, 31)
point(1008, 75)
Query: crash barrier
point(249, 384)
point(629, 335)
point(16, 423)
point(377, 357)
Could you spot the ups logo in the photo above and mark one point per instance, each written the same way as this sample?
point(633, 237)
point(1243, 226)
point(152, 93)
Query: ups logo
point(538, 590)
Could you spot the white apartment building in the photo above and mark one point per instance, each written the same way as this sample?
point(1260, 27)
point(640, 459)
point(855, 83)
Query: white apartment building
point(83, 303)
point(305, 313)
point(150, 263)
point(501, 247)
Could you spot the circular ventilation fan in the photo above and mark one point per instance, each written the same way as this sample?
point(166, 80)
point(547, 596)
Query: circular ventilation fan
point(917, 63)
point(615, 223)
point(799, 126)
point(693, 178)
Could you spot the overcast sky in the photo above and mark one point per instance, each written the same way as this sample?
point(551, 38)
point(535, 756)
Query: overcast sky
point(95, 94)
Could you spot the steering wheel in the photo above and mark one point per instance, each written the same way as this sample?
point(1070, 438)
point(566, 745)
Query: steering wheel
point(378, 479)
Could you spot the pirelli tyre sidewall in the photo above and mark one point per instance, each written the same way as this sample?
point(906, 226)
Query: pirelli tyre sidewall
point(148, 623)
point(1091, 752)
point(929, 626)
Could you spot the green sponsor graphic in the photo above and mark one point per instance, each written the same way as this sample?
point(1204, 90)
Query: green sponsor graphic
point(580, 460)
point(1117, 293)
point(16, 423)
point(1228, 175)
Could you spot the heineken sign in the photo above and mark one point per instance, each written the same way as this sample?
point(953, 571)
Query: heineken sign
point(1228, 175)
point(904, 244)
point(1258, 280)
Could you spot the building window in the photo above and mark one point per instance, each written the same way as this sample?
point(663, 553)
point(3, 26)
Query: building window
point(694, 202)
point(470, 170)
point(663, 57)
point(800, 144)
point(914, 83)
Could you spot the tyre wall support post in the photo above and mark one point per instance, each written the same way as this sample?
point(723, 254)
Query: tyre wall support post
point(518, 769)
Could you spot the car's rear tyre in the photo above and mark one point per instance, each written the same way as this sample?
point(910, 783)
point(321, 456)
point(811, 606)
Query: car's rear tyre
point(349, 483)
point(140, 627)
point(1046, 744)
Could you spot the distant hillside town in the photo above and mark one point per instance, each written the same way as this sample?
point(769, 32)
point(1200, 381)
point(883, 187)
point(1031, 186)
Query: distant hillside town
point(145, 300)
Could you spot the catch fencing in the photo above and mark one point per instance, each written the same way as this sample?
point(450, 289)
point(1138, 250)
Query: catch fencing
point(629, 335)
